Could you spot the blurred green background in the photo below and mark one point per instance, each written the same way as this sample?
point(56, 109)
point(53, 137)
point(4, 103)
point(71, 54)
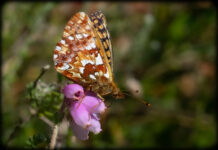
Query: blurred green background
point(164, 50)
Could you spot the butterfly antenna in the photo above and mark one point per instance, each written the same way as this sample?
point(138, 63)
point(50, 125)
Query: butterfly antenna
point(146, 103)
point(128, 93)
point(125, 92)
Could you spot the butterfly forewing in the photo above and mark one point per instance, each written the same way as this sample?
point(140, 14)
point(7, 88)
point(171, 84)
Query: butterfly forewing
point(80, 55)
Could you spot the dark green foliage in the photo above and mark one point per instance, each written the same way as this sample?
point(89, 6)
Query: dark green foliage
point(37, 141)
point(45, 99)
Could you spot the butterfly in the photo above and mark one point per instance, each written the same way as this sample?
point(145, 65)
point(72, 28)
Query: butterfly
point(84, 54)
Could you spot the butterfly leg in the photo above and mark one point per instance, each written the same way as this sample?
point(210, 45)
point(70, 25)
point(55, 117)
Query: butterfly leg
point(92, 109)
point(100, 97)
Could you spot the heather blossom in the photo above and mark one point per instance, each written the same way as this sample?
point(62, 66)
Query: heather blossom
point(84, 108)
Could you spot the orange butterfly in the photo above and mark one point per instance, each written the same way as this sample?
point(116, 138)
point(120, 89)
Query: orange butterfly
point(84, 54)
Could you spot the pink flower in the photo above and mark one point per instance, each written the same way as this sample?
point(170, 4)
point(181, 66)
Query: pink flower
point(84, 109)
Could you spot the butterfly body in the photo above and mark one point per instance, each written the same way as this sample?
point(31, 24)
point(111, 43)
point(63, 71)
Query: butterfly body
point(84, 54)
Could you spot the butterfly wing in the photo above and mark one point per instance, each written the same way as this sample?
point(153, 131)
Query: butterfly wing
point(79, 56)
point(99, 23)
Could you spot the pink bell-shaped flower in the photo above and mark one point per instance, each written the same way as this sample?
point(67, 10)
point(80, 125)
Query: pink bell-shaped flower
point(84, 110)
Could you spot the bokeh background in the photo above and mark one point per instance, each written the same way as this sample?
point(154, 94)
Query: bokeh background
point(164, 50)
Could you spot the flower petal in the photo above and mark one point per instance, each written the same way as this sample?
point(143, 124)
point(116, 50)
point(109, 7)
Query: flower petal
point(74, 91)
point(94, 104)
point(84, 110)
point(101, 108)
point(80, 114)
point(95, 116)
point(95, 126)
point(79, 132)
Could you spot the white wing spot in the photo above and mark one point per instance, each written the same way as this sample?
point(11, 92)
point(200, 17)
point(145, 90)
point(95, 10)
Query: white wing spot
point(85, 61)
point(55, 56)
point(70, 38)
point(82, 14)
point(64, 67)
point(96, 74)
point(81, 69)
point(107, 75)
point(62, 41)
point(98, 60)
point(88, 47)
point(58, 48)
point(78, 36)
point(93, 45)
point(85, 35)
point(92, 76)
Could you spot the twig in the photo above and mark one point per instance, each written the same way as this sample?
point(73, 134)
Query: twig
point(47, 121)
point(43, 70)
point(43, 118)
point(54, 137)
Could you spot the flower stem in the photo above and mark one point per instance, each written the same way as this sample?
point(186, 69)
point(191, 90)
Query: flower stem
point(54, 137)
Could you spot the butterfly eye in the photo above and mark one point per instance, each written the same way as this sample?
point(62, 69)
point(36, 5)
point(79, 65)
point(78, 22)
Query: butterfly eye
point(116, 95)
point(119, 95)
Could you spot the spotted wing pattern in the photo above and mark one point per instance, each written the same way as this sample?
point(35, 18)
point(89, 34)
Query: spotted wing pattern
point(99, 23)
point(80, 56)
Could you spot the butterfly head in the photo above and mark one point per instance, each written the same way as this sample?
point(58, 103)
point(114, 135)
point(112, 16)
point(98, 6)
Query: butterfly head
point(117, 93)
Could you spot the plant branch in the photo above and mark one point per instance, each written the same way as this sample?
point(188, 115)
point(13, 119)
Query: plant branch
point(43, 70)
point(54, 137)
